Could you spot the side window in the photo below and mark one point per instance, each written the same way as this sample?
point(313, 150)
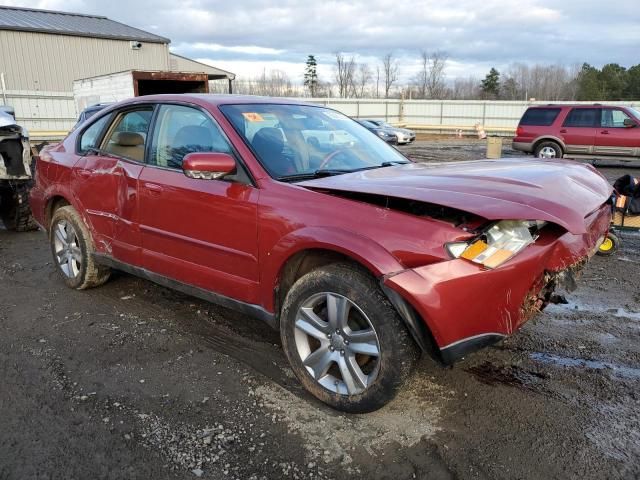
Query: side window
point(128, 134)
point(613, 118)
point(91, 136)
point(582, 117)
point(539, 116)
point(181, 130)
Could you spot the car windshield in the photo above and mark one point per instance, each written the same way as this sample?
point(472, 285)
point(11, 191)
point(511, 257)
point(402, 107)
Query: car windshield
point(299, 141)
point(635, 112)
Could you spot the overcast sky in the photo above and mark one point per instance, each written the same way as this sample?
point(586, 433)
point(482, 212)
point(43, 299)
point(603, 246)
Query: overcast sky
point(245, 36)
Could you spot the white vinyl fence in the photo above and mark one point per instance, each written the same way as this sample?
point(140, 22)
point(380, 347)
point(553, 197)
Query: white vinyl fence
point(52, 114)
point(500, 117)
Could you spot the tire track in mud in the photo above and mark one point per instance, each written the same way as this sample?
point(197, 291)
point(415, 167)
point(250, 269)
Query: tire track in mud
point(244, 339)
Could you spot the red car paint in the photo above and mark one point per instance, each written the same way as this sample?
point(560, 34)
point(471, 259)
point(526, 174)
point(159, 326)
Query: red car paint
point(235, 239)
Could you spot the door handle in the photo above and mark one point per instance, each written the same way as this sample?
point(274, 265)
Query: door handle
point(153, 188)
point(563, 131)
point(605, 132)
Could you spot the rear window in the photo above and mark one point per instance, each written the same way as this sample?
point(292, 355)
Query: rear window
point(540, 116)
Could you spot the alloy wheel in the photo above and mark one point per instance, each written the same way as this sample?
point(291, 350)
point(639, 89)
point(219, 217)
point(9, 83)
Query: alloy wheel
point(547, 152)
point(337, 343)
point(67, 250)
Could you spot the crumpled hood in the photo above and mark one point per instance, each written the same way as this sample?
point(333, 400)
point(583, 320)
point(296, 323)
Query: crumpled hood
point(561, 192)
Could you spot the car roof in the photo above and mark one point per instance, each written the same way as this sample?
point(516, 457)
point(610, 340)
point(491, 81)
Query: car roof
point(576, 105)
point(216, 99)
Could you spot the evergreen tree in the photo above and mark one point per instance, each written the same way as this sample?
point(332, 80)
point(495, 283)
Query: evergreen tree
point(311, 75)
point(491, 84)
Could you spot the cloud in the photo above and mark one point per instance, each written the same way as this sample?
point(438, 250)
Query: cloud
point(476, 35)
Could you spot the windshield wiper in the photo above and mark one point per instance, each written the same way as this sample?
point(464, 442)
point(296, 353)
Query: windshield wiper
point(328, 172)
point(324, 172)
point(382, 165)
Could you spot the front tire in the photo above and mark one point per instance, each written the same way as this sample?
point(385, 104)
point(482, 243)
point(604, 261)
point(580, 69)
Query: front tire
point(344, 340)
point(15, 210)
point(548, 150)
point(72, 249)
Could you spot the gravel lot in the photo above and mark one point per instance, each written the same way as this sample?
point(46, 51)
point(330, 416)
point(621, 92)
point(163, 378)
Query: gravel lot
point(132, 380)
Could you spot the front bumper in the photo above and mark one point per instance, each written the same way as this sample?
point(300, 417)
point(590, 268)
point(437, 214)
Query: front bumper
point(466, 306)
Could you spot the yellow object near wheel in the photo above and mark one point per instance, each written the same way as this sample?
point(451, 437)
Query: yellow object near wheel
point(609, 245)
point(606, 245)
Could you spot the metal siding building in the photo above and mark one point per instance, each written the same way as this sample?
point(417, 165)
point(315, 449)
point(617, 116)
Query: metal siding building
point(42, 53)
point(51, 62)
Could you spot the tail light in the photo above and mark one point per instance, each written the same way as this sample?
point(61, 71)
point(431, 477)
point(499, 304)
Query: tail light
point(519, 131)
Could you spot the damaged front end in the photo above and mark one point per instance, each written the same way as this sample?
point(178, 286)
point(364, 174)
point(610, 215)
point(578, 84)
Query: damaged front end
point(15, 149)
point(15, 174)
point(554, 285)
point(466, 305)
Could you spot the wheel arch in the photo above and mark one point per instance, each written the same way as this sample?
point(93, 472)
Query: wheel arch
point(303, 260)
point(549, 138)
point(53, 203)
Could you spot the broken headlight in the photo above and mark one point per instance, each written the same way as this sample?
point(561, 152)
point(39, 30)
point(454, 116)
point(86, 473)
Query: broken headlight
point(498, 243)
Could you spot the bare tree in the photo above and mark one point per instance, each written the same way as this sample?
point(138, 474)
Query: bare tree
point(465, 89)
point(390, 68)
point(422, 77)
point(362, 79)
point(344, 73)
point(377, 81)
point(436, 63)
point(544, 82)
point(429, 81)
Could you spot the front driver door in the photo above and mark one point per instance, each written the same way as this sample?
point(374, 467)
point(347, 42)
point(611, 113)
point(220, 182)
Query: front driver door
point(614, 137)
point(199, 232)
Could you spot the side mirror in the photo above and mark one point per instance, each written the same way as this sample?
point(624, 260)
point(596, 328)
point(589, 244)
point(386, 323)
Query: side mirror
point(208, 165)
point(629, 123)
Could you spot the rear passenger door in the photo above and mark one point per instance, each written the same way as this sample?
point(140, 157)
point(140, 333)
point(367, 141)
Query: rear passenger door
point(579, 130)
point(106, 180)
point(200, 232)
point(614, 137)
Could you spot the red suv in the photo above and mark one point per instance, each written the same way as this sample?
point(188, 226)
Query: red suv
point(300, 216)
point(554, 130)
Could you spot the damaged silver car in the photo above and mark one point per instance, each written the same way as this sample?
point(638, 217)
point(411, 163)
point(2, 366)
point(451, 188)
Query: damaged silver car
point(15, 173)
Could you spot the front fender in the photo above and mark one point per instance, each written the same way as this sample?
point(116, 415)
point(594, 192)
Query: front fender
point(361, 249)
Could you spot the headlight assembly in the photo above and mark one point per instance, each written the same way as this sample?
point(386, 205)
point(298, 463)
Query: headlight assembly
point(498, 243)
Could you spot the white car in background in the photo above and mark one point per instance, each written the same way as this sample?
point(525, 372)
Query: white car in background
point(404, 135)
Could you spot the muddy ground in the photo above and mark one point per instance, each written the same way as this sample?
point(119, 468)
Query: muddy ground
point(132, 380)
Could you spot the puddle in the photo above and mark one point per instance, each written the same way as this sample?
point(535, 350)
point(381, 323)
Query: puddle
point(619, 370)
point(510, 375)
point(627, 259)
point(580, 307)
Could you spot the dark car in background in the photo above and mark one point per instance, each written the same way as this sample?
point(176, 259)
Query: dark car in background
point(551, 131)
point(90, 111)
point(403, 135)
point(384, 133)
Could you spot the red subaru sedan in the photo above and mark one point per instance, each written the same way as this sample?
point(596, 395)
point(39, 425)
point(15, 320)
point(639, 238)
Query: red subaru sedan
point(300, 216)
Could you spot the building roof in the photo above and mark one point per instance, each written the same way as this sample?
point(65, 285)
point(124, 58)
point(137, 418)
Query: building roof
point(178, 63)
point(74, 24)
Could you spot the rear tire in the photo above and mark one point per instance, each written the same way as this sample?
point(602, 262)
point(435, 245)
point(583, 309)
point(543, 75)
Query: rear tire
point(355, 362)
point(15, 209)
point(72, 249)
point(548, 150)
